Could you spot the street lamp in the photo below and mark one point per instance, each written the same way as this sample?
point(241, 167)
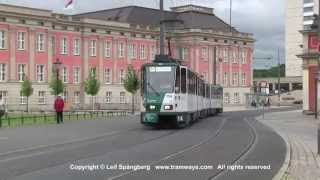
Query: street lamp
point(316, 26)
point(57, 65)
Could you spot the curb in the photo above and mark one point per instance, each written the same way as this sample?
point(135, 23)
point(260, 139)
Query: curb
point(283, 172)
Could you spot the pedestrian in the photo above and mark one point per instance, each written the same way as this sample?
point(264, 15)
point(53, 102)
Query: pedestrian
point(58, 106)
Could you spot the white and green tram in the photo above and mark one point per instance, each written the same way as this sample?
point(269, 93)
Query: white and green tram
point(173, 94)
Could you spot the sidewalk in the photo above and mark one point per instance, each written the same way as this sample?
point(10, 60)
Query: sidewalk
point(246, 108)
point(300, 133)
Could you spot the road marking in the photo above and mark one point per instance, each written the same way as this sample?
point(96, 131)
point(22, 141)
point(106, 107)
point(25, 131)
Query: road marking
point(4, 138)
point(177, 153)
point(48, 146)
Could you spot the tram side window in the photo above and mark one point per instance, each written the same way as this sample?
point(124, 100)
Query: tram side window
point(177, 87)
point(207, 90)
point(212, 91)
point(183, 80)
point(190, 83)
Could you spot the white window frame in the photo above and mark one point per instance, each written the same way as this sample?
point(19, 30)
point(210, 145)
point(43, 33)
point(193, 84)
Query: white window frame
point(21, 72)
point(244, 79)
point(108, 49)
point(40, 72)
point(225, 79)
point(236, 98)
point(65, 96)
point(76, 46)
point(23, 99)
point(108, 76)
point(93, 72)
point(235, 79)
point(153, 52)
point(3, 72)
point(243, 56)
point(108, 98)
point(143, 51)
point(41, 97)
point(122, 97)
point(76, 97)
point(122, 76)
point(204, 53)
point(21, 40)
point(121, 50)
point(2, 39)
point(184, 53)
point(4, 96)
point(234, 55)
point(226, 98)
point(225, 55)
point(64, 45)
point(76, 74)
point(41, 42)
point(65, 77)
point(132, 51)
point(93, 47)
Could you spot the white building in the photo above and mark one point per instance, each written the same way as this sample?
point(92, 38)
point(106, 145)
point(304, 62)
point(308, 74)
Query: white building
point(299, 16)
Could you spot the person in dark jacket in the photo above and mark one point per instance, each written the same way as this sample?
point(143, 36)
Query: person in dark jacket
point(58, 106)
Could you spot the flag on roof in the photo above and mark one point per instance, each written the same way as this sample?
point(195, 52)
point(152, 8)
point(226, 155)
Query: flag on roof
point(69, 4)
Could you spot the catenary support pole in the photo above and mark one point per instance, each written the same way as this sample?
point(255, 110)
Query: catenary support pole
point(162, 28)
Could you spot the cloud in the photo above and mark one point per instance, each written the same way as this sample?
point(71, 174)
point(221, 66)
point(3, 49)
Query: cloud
point(263, 18)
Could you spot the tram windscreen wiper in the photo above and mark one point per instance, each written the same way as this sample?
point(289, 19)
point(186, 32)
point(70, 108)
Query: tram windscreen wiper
point(152, 88)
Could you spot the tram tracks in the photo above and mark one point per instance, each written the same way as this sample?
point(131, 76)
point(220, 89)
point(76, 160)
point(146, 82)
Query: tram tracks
point(173, 155)
point(244, 153)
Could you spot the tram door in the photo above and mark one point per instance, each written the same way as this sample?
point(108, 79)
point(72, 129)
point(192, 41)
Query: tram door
point(183, 96)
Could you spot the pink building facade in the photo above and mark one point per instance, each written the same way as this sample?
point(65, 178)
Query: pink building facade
point(31, 41)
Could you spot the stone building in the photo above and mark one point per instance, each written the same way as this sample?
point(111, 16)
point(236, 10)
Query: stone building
point(105, 43)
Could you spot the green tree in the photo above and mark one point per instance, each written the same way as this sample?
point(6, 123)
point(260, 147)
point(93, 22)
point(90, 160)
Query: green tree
point(56, 84)
point(132, 84)
point(272, 72)
point(92, 86)
point(26, 90)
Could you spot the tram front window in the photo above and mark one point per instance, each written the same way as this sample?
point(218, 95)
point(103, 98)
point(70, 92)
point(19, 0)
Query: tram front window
point(160, 79)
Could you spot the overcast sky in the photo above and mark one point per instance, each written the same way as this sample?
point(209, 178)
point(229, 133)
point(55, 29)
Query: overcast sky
point(263, 18)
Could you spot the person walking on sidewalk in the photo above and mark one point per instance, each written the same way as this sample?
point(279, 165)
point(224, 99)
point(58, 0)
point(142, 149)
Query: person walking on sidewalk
point(58, 106)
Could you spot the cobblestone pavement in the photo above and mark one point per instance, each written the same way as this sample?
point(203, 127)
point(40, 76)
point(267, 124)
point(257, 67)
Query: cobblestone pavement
point(300, 133)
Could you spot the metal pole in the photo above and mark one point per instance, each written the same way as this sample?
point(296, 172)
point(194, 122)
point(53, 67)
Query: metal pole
point(316, 96)
point(279, 83)
point(215, 66)
point(162, 27)
point(318, 139)
point(231, 16)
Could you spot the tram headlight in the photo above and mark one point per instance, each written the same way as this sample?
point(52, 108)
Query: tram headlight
point(168, 107)
point(152, 107)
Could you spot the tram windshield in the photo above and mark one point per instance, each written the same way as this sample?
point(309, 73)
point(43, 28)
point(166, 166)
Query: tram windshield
point(160, 79)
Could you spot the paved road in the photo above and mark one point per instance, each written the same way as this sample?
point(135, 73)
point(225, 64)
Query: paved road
point(233, 138)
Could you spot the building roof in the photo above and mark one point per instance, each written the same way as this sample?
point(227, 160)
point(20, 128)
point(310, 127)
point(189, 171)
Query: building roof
point(151, 17)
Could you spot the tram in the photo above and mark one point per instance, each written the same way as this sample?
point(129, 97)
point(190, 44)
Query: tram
point(173, 94)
